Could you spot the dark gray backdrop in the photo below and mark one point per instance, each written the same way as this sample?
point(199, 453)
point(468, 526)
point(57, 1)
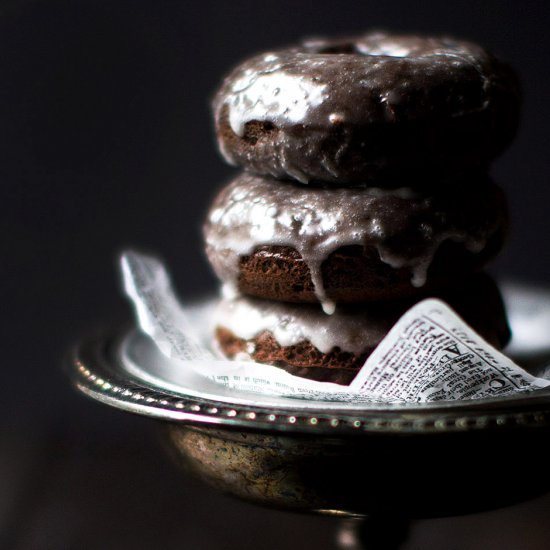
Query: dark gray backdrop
point(106, 141)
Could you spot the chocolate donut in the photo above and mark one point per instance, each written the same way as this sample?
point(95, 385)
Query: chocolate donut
point(294, 243)
point(305, 342)
point(372, 108)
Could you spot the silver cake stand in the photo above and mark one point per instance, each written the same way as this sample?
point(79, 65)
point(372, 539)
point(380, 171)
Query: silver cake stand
point(386, 461)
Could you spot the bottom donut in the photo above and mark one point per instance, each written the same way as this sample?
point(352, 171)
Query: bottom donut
point(304, 341)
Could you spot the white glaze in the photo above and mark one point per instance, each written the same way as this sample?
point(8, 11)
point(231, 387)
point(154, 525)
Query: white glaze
point(254, 211)
point(285, 87)
point(272, 96)
point(349, 330)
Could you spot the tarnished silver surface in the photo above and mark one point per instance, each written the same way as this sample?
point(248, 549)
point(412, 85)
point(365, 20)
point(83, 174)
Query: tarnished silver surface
point(97, 371)
point(415, 461)
point(412, 460)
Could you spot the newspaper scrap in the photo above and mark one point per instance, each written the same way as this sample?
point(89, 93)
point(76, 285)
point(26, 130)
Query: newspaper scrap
point(429, 355)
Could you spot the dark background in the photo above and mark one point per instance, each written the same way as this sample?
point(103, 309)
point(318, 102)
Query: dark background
point(106, 141)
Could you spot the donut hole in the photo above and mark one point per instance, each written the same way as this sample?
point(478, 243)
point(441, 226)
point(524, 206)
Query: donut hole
point(343, 48)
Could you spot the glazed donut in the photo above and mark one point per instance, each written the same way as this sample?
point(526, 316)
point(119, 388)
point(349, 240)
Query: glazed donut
point(293, 243)
point(305, 342)
point(373, 108)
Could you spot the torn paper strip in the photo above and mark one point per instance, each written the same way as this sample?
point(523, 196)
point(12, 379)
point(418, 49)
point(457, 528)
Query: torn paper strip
point(429, 355)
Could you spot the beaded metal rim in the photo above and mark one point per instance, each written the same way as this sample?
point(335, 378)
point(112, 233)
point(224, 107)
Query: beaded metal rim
point(96, 372)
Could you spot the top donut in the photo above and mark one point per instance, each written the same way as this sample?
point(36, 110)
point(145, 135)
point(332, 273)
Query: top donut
point(375, 108)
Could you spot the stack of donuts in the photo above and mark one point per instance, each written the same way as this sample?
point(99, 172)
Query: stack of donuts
point(364, 189)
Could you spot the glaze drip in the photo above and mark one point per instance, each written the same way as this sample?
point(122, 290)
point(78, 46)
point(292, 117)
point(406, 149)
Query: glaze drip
point(349, 329)
point(406, 227)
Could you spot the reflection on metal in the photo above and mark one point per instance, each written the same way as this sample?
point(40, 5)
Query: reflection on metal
point(411, 461)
